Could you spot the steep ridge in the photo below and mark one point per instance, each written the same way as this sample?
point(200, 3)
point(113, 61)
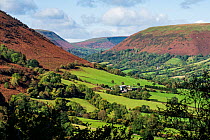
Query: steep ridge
point(56, 39)
point(186, 39)
point(16, 35)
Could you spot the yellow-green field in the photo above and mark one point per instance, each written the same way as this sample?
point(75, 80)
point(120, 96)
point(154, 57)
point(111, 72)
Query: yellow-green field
point(130, 103)
point(102, 77)
point(76, 82)
point(84, 103)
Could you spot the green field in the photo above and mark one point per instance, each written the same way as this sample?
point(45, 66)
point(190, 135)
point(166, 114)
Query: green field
point(130, 103)
point(129, 70)
point(96, 123)
point(84, 103)
point(162, 97)
point(102, 77)
point(174, 61)
point(76, 82)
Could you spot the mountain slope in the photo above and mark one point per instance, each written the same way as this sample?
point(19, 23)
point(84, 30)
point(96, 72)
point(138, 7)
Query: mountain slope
point(56, 39)
point(84, 48)
point(104, 42)
point(16, 35)
point(90, 46)
point(186, 39)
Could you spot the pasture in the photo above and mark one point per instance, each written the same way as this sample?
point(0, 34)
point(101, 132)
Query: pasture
point(95, 76)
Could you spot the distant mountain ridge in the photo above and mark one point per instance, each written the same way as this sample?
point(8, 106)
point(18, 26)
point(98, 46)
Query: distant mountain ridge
point(186, 39)
point(16, 35)
point(83, 48)
point(90, 46)
point(103, 42)
point(56, 39)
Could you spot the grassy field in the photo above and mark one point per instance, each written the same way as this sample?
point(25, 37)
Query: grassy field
point(76, 82)
point(174, 61)
point(84, 103)
point(95, 123)
point(129, 70)
point(162, 97)
point(130, 103)
point(102, 77)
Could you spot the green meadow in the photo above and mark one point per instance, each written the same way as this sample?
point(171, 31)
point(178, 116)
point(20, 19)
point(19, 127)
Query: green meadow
point(84, 103)
point(130, 103)
point(96, 123)
point(76, 82)
point(95, 76)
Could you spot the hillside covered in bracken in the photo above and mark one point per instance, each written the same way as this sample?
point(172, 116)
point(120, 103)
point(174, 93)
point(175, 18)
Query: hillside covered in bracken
point(18, 36)
point(186, 39)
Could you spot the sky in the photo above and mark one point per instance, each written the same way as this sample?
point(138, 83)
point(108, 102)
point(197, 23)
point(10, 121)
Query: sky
point(77, 20)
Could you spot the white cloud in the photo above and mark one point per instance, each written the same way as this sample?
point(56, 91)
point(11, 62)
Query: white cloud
point(86, 3)
point(124, 3)
point(75, 40)
point(188, 3)
point(120, 16)
point(50, 13)
point(200, 21)
point(18, 7)
point(89, 19)
point(56, 20)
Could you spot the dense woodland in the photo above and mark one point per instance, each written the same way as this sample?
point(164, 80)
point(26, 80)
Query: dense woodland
point(27, 116)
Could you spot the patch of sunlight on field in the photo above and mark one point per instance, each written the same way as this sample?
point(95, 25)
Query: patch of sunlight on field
point(130, 103)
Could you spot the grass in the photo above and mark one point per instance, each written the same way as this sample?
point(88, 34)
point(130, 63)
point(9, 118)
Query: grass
point(130, 103)
point(95, 76)
point(162, 97)
point(95, 123)
point(128, 70)
point(174, 61)
point(84, 103)
point(76, 82)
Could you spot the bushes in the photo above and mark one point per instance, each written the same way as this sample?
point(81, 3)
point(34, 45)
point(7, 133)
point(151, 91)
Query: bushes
point(17, 57)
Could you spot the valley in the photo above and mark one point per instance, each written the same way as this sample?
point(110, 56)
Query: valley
point(144, 86)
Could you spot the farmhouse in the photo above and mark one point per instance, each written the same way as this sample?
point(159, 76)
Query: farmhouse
point(126, 88)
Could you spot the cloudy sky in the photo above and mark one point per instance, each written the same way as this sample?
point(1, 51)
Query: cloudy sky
point(77, 20)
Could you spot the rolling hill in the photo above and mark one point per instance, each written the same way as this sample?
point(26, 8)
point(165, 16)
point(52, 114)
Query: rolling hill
point(56, 39)
point(18, 36)
point(84, 48)
point(186, 39)
point(87, 47)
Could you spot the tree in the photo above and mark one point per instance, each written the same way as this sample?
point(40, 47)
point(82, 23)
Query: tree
point(102, 115)
point(33, 63)
point(198, 117)
point(15, 79)
point(145, 95)
point(6, 85)
point(50, 79)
